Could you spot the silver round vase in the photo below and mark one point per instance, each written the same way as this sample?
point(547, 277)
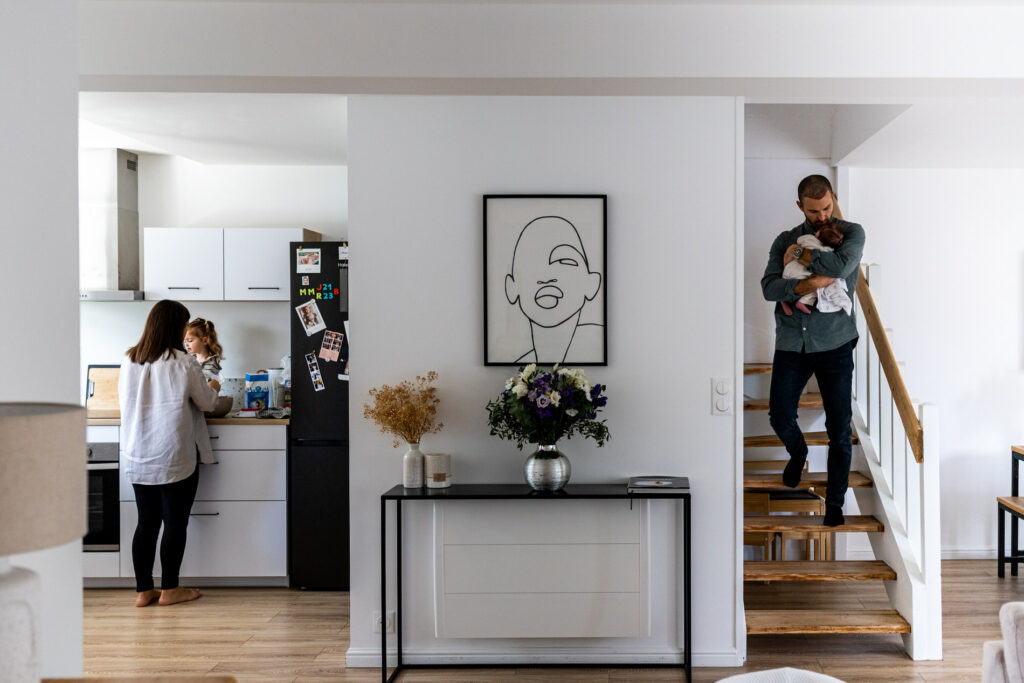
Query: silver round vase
point(547, 469)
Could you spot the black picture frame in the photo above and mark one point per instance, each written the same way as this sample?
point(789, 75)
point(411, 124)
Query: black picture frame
point(545, 279)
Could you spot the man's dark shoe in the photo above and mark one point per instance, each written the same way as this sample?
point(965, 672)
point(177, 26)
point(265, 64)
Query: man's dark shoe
point(833, 516)
point(794, 468)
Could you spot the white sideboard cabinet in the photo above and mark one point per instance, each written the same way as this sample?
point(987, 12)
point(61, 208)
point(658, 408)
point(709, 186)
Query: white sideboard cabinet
point(209, 264)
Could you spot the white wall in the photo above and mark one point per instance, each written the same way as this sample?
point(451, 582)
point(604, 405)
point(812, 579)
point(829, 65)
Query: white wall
point(174, 191)
point(177, 192)
point(386, 46)
point(39, 264)
point(418, 169)
point(951, 285)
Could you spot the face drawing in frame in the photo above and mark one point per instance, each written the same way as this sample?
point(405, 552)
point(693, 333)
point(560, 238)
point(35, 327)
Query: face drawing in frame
point(550, 282)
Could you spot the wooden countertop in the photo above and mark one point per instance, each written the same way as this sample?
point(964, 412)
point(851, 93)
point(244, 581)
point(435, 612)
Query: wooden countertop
point(235, 421)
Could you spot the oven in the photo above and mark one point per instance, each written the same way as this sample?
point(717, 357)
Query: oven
point(103, 500)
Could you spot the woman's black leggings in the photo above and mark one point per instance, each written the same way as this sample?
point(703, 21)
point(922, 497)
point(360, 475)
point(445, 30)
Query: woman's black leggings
point(170, 505)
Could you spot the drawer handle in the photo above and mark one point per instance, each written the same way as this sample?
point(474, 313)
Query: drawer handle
point(264, 288)
point(214, 437)
point(195, 288)
point(204, 514)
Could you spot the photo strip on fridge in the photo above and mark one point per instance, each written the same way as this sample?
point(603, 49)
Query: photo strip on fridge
point(343, 375)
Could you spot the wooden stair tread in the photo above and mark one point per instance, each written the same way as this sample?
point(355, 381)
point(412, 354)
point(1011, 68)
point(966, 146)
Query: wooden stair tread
point(757, 368)
point(766, 440)
point(773, 480)
point(826, 621)
point(803, 570)
point(1015, 503)
point(808, 400)
point(809, 523)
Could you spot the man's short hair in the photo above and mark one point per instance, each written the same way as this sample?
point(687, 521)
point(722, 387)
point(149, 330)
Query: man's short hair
point(813, 187)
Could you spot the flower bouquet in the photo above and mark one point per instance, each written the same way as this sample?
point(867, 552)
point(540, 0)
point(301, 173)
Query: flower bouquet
point(542, 406)
point(407, 411)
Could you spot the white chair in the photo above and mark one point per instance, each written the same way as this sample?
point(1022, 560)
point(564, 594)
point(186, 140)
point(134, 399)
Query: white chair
point(1001, 661)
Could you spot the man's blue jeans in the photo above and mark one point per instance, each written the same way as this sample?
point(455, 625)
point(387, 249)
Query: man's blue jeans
point(834, 372)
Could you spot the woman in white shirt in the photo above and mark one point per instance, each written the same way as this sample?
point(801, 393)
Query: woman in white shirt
point(162, 395)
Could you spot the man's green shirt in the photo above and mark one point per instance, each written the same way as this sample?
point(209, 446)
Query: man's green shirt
point(815, 331)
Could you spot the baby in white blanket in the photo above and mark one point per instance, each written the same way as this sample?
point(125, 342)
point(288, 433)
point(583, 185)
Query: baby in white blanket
point(829, 299)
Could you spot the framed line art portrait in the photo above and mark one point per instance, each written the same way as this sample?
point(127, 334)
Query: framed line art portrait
point(545, 266)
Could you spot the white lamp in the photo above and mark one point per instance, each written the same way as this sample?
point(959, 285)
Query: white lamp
point(42, 504)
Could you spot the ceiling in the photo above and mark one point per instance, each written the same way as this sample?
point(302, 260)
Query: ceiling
point(219, 128)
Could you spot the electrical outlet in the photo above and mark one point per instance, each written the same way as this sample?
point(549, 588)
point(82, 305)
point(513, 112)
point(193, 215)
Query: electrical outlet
point(388, 623)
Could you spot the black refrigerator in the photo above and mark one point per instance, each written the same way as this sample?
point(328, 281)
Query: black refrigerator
point(318, 501)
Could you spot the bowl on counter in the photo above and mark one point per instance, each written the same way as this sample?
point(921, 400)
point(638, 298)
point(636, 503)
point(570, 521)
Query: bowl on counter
point(222, 408)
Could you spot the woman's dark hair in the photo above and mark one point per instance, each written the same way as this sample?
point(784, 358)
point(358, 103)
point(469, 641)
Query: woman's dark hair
point(164, 331)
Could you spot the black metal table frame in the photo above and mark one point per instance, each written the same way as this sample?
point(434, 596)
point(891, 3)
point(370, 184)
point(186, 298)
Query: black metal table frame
point(1015, 555)
point(516, 492)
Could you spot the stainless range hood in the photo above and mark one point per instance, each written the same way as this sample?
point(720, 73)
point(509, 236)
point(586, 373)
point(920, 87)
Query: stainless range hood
point(108, 190)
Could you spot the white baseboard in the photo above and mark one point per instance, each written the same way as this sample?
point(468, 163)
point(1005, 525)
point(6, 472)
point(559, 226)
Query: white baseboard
point(947, 554)
point(988, 553)
point(369, 658)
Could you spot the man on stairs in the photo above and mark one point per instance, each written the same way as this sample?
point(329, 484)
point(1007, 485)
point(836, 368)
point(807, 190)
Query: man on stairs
point(815, 343)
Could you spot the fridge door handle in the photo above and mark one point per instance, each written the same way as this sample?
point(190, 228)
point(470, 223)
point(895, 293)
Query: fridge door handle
point(278, 288)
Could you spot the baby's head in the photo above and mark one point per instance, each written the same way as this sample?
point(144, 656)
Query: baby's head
point(831, 234)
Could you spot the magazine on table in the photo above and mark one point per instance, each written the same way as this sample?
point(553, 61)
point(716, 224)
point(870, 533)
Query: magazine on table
point(657, 484)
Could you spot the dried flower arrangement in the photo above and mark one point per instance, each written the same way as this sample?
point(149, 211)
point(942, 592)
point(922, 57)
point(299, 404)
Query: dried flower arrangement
point(407, 411)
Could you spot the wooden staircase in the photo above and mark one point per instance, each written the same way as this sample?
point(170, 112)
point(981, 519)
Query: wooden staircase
point(758, 477)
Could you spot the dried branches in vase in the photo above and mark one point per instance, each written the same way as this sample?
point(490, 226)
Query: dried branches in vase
point(407, 411)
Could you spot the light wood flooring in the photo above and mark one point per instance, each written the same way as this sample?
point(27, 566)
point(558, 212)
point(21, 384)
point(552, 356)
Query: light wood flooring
point(284, 635)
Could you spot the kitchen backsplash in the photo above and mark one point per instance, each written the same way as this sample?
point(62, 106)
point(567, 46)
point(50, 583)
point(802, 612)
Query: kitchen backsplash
point(254, 334)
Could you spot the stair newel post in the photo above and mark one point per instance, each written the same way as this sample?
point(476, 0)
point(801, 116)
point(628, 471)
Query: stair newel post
point(931, 532)
point(915, 499)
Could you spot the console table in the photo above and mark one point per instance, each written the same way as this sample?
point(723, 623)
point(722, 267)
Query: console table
point(398, 494)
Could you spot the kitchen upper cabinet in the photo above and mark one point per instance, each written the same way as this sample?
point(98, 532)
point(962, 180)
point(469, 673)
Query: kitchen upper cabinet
point(257, 263)
point(232, 264)
point(185, 264)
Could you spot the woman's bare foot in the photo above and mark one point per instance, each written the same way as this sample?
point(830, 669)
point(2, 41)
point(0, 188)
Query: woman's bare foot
point(146, 597)
point(179, 594)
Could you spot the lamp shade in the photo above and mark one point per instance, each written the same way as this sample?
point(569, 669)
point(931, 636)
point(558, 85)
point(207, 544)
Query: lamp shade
point(42, 476)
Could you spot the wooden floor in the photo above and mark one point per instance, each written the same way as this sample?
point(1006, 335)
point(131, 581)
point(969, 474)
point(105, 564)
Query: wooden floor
point(284, 635)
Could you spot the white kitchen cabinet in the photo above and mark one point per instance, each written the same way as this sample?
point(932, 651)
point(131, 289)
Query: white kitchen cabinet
point(225, 538)
point(238, 525)
point(257, 262)
point(185, 264)
point(232, 264)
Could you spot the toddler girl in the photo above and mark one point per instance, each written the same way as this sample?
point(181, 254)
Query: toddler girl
point(201, 342)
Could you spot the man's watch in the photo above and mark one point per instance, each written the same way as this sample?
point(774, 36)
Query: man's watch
point(798, 252)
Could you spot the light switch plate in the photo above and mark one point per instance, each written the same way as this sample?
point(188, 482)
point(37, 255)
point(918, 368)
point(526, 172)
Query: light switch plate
point(721, 396)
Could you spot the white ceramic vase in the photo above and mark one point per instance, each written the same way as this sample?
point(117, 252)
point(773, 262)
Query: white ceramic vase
point(412, 467)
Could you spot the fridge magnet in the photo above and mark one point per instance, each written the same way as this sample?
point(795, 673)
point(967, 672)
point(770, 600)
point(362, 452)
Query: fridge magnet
point(544, 279)
point(331, 346)
point(309, 315)
point(307, 260)
point(314, 372)
point(305, 280)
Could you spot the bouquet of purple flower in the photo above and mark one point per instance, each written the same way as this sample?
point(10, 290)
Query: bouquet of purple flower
point(542, 406)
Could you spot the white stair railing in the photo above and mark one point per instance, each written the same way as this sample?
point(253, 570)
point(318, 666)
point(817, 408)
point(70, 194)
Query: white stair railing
point(899, 439)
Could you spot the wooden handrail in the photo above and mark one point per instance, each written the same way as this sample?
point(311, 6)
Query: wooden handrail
point(911, 425)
